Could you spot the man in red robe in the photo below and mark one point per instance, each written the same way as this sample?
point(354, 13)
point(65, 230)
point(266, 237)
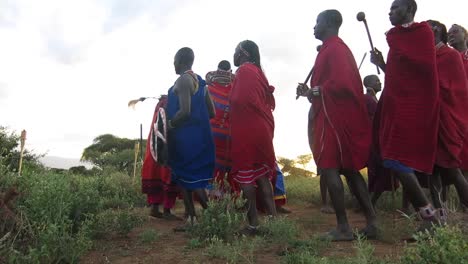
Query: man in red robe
point(379, 178)
point(156, 177)
point(453, 125)
point(458, 39)
point(338, 122)
point(252, 129)
point(408, 109)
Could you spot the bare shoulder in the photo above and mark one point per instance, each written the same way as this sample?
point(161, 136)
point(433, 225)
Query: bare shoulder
point(184, 82)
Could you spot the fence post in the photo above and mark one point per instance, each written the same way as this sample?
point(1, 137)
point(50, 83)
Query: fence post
point(137, 149)
point(23, 141)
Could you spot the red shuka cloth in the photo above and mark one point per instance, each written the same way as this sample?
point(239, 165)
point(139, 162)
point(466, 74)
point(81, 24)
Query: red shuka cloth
point(453, 114)
point(154, 176)
point(408, 109)
point(464, 153)
point(339, 126)
point(378, 177)
point(252, 125)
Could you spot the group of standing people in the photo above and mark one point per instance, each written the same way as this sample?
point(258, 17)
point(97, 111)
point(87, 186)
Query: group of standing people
point(417, 132)
point(218, 134)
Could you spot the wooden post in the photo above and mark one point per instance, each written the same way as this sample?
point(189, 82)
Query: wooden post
point(141, 142)
point(137, 148)
point(23, 141)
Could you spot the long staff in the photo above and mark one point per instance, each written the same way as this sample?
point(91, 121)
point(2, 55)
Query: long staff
point(362, 18)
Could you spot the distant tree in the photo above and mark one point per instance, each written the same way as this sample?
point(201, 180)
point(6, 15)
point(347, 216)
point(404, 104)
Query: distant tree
point(78, 170)
point(110, 151)
point(304, 159)
point(286, 164)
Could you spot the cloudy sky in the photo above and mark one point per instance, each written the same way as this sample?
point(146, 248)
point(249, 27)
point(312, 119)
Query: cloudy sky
point(69, 67)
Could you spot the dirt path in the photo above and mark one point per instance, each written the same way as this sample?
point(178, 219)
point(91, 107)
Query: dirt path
point(170, 247)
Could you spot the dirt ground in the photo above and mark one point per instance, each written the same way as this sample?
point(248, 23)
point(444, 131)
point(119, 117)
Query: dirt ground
point(170, 247)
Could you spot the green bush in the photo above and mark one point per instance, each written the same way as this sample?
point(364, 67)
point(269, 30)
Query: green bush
point(239, 251)
point(220, 220)
point(148, 236)
point(446, 245)
point(60, 213)
point(281, 229)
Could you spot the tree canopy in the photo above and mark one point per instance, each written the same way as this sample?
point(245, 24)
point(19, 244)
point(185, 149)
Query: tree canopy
point(110, 151)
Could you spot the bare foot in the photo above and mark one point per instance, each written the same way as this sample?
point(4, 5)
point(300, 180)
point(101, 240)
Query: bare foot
point(171, 217)
point(369, 232)
point(335, 235)
point(248, 231)
point(282, 210)
point(327, 210)
point(156, 213)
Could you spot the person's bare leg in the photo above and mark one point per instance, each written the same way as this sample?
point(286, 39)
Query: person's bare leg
point(460, 183)
point(266, 192)
point(249, 193)
point(436, 188)
point(359, 187)
point(405, 203)
point(375, 197)
point(326, 208)
point(465, 208)
point(336, 190)
point(189, 210)
point(354, 201)
point(202, 197)
point(418, 199)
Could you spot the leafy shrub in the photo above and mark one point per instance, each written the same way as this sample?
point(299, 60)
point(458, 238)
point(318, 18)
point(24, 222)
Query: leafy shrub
point(281, 229)
point(239, 251)
point(148, 236)
point(446, 245)
point(220, 220)
point(120, 222)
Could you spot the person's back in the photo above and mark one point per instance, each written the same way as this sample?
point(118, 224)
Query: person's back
point(252, 101)
point(193, 137)
point(453, 97)
point(219, 85)
point(190, 141)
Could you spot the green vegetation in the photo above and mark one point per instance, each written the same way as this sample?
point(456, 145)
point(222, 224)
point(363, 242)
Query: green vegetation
point(57, 216)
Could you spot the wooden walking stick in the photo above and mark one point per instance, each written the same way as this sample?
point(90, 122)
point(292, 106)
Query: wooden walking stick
point(23, 141)
point(137, 149)
point(362, 18)
point(363, 57)
point(311, 71)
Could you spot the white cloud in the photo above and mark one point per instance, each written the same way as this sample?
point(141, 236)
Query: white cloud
point(69, 67)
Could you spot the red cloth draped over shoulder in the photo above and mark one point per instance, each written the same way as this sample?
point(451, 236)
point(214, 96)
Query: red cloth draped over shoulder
point(339, 126)
point(252, 125)
point(453, 114)
point(154, 176)
point(409, 106)
point(464, 154)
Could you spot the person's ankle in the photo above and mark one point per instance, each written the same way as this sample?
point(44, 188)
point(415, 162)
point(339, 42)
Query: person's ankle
point(427, 213)
point(343, 228)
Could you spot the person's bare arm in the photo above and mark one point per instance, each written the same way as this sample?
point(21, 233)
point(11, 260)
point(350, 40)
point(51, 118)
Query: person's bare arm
point(209, 104)
point(183, 88)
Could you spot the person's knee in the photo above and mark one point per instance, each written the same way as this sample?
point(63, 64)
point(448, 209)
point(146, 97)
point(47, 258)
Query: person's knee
point(335, 185)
